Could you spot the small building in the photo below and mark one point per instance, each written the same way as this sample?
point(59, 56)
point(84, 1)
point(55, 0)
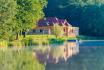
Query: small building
point(45, 26)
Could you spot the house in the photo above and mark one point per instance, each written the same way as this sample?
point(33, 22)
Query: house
point(45, 26)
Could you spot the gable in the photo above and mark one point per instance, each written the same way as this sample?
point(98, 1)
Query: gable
point(50, 21)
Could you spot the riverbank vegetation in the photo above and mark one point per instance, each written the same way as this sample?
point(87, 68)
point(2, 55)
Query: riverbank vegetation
point(88, 15)
point(33, 40)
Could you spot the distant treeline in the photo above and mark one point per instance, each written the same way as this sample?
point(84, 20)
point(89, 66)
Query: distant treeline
point(88, 15)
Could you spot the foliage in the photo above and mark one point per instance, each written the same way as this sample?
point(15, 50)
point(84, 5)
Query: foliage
point(57, 30)
point(23, 59)
point(88, 15)
point(7, 16)
point(19, 15)
point(29, 41)
point(33, 40)
point(17, 44)
point(3, 44)
point(29, 12)
point(56, 41)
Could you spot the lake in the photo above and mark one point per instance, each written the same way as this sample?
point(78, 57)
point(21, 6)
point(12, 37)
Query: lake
point(86, 55)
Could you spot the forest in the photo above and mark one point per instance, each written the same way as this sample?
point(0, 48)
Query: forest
point(88, 15)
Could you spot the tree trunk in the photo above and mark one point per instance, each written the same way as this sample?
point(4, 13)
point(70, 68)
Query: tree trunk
point(24, 34)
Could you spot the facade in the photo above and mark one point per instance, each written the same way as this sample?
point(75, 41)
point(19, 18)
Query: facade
point(45, 26)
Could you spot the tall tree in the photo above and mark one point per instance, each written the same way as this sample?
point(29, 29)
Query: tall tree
point(29, 12)
point(7, 16)
point(88, 15)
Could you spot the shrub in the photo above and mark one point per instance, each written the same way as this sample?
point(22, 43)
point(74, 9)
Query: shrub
point(45, 43)
point(29, 42)
point(15, 44)
point(3, 44)
point(56, 41)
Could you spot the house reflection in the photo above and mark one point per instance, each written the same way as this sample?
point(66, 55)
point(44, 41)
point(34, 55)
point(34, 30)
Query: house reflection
point(56, 53)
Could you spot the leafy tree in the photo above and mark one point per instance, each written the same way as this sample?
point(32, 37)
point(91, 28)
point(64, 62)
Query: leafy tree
point(29, 12)
point(88, 15)
point(7, 16)
point(57, 30)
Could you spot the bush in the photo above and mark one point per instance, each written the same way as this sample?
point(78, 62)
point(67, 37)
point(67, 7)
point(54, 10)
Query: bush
point(3, 44)
point(15, 44)
point(29, 42)
point(45, 43)
point(56, 41)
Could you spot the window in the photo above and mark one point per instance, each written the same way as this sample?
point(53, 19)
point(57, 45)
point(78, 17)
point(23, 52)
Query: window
point(34, 30)
point(41, 30)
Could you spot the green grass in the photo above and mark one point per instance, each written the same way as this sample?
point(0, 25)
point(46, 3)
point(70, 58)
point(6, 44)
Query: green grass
point(31, 40)
point(49, 39)
point(39, 39)
point(19, 60)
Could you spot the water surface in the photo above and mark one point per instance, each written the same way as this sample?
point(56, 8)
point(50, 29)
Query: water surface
point(90, 57)
point(56, 53)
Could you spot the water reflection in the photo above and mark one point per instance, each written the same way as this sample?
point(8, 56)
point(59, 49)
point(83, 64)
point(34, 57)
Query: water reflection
point(56, 53)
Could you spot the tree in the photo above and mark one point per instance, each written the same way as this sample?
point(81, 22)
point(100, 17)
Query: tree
point(57, 30)
point(29, 12)
point(88, 15)
point(7, 16)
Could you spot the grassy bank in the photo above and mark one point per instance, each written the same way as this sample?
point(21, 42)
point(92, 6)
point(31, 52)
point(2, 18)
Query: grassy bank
point(31, 40)
point(48, 39)
point(12, 59)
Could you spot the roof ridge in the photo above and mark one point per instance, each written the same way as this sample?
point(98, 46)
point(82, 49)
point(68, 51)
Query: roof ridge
point(49, 21)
